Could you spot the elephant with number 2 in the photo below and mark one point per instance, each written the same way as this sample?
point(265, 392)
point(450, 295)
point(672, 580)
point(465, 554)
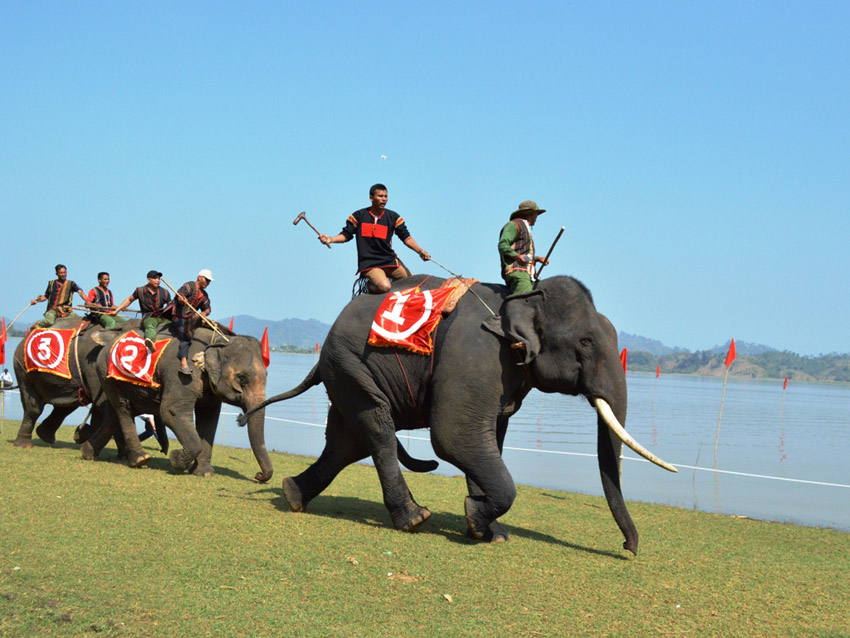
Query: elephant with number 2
point(552, 339)
point(230, 371)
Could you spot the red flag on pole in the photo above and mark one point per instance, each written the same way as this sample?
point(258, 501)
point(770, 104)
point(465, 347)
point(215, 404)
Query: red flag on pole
point(730, 356)
point(264, 347)
point(624, 355)
point(657, 370)
point(3, 343)
point(317, 347)
point(231, 324)
point(785, 385)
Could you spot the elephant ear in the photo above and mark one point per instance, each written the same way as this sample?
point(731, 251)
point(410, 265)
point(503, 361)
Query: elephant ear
point(516, 322)
point(212, 365)
point(105, 337)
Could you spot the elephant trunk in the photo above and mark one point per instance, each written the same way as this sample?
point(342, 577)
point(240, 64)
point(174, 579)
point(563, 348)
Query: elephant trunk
point(256, 435)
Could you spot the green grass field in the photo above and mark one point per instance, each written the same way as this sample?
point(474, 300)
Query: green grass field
point(97, 548)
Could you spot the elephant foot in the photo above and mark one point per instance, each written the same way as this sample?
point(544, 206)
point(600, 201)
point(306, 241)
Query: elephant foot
point(23, 442)
point(178, 464)
point(139, 460)
point(88, 451)
point(46, 435)
point(78, 437)
point(293, 496)
point(479, 527)
point(496, 534)
point(203, 469)
point(410, 520)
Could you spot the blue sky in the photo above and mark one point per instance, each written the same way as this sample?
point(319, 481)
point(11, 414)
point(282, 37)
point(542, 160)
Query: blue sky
point(697, 153)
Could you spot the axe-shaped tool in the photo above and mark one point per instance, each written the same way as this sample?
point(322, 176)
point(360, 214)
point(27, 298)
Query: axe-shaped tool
point(303, 215)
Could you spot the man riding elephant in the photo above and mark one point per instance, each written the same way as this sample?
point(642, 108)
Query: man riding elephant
point(374, 227)
point(192, 301)
point(58, 294)
point(154, 303)
point(101, 301)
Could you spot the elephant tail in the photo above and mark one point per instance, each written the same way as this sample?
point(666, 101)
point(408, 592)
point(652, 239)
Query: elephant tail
point(412, 464)
point(313, 378)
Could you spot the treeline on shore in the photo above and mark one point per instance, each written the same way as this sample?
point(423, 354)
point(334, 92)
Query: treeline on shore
point(765, 365)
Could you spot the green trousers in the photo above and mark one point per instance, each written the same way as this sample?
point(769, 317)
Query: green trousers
point(151, 324)
point(50, 319)
point(518, 282)
point(108, 321)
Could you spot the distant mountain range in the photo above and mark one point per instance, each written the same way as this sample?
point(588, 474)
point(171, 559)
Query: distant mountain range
point(753, 360)
point(301, 333)
point(642, 344)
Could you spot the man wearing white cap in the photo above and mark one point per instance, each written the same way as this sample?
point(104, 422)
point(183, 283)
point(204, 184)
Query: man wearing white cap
point(194, 294)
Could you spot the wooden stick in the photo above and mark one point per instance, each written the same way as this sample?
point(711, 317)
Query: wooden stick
point(9, 327)
point(546, 258)
point(203, 317)
point(101, 312)
point(719, 416)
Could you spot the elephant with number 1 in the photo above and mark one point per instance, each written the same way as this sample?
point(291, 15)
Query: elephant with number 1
point(552, 339)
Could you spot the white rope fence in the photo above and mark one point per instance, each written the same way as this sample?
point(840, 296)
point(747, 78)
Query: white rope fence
point(593, 456)
point(587, 455)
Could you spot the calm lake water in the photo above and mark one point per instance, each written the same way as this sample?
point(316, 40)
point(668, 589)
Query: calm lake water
point(779, 454)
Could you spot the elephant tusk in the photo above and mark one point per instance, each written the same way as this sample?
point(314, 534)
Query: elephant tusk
point(607, 414)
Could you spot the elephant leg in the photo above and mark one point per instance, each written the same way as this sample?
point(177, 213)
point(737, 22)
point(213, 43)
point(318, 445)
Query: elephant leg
point(476, 451)
point(206, 424)
point(377, 424)
point(342, 448)
point(33, 407)
point(47, 429)
point(183, 426)
point(95, 435)
point(496, 531)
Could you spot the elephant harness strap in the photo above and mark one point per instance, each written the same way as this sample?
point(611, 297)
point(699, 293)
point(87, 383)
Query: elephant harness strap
point(83, 394)
point(410, 389)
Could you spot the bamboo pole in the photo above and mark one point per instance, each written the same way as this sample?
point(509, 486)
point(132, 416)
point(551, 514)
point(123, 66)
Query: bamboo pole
point(203, 317)
point(9, 327)
point(722, 399)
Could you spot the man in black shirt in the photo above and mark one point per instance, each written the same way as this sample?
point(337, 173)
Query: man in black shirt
point(374, 228)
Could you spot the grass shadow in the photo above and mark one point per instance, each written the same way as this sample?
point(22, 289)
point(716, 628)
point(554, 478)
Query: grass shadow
point(450, 526)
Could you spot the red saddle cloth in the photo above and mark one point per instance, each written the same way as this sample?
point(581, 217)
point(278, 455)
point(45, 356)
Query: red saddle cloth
point(407, 319)
point(47, 350)
point(131, 361)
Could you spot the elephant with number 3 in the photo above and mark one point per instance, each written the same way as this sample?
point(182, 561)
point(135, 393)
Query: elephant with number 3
point(483, 366)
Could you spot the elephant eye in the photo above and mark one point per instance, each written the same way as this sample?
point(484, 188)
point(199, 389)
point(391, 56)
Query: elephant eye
point(242, 379)
point(586, 342)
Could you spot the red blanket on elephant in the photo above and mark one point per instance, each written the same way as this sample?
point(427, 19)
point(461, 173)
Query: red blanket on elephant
point(47, 350)
point(407, 319)
point(131, 361)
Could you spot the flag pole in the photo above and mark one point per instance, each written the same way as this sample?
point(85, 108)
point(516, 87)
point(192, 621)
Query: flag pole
point(720, 416)
point(730, 357)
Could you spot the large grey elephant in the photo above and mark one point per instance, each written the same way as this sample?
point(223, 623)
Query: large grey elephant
point(482, 368)
point(39, 389)
point(229, 371)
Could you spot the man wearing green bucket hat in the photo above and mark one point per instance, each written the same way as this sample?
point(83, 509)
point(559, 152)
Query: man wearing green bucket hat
point(516, 248)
